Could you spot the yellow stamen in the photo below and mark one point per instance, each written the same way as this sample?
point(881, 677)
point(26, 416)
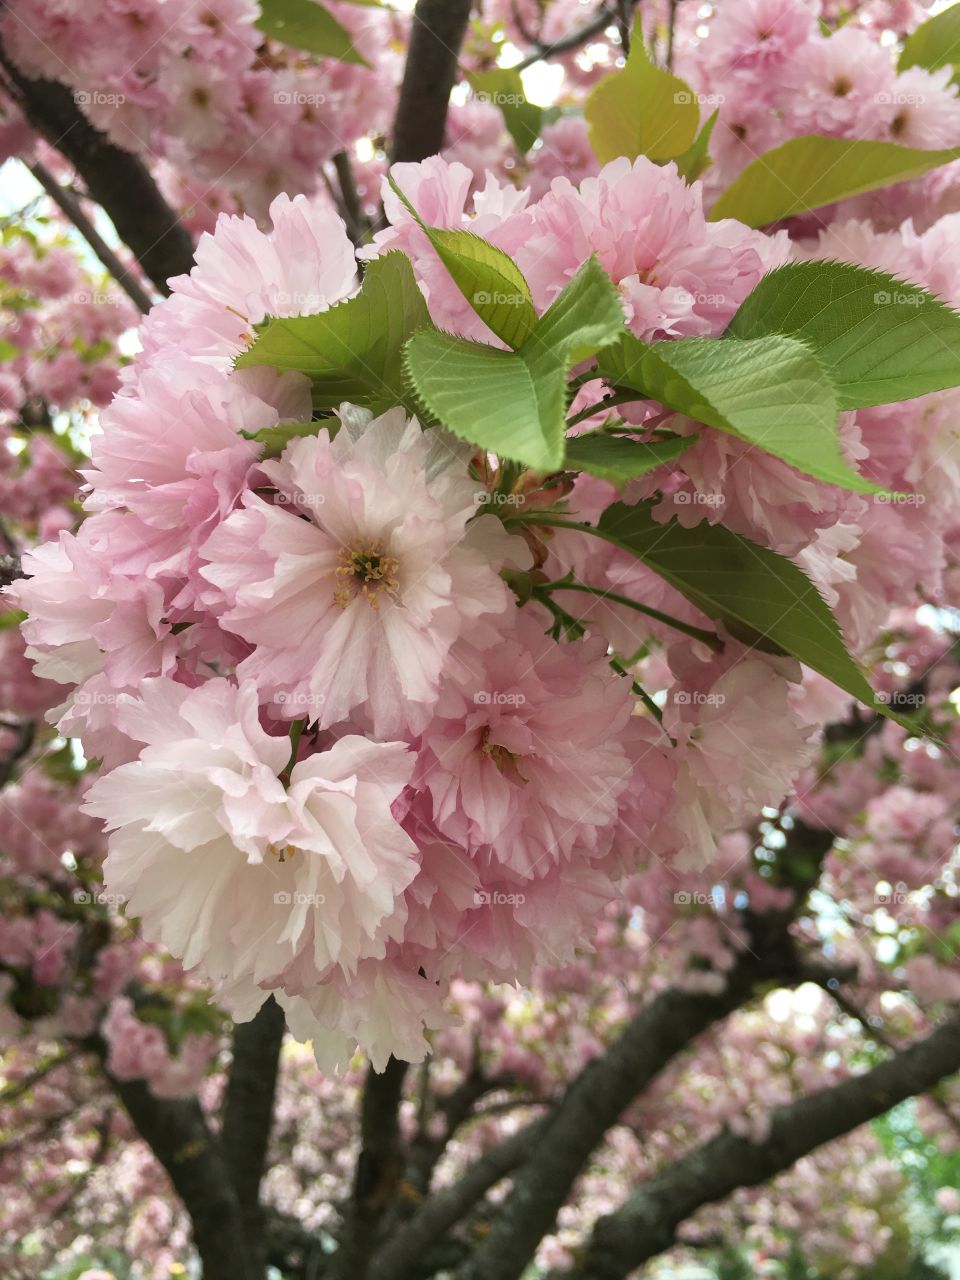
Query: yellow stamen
point(365, 571)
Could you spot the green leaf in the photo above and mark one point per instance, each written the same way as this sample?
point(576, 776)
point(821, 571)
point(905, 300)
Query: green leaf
point(306, 25)
point(770, 392)
point(934, 44)
point(485, 396)
point(514, 402)
point(353, 351)
point(618, 458)
point(808, 172)
point(696, 159)
point(879, 339)
point(276, 439)
point(503, 87)
point(762, 598)
point(490, 281)
point(7, 350)
point(641, 110)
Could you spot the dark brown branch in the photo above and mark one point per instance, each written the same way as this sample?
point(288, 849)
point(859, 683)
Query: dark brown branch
point(71, 207)
point(350, 201)
point(178, 1135)
point(116, 179)
point(436, 34)
point(645, 1225)
point(605, 16)
point(378, 1172)
point(595, 1100)
point(443, 1210)
point(248, 1115)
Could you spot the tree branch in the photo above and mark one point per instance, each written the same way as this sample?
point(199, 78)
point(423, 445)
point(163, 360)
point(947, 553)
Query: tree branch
point(378, 1171)
point(178, 1135)
point(646, 1223)
point(399, 1257)
point(436, 35)
point(71, 207)
point(116, 179)
point(605, 1088)
point(248, 1116)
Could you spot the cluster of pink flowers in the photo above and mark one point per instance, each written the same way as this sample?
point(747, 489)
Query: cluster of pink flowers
point(202, 91)
point(342, 763)
point(466, 791)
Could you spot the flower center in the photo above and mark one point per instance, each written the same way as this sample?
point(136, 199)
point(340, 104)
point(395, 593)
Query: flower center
point(365, 571)
point(504, 759)
point(281, 851)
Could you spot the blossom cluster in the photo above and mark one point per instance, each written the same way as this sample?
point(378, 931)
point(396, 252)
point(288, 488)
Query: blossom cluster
point(459, 792)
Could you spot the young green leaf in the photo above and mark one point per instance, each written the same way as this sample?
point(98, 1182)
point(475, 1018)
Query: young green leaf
point(484, 395)
point(353, 351)
point(879, 339)
point(488, 278)
point(7, 350)
point(503, 87)
point(514, 402)
point(936, 43)
point(275, 439)
point(761, 597)
point(618, 458)
point(696, 159)
point(805, 173)
point(307, 25)
point(770, 392)
point(641, 110)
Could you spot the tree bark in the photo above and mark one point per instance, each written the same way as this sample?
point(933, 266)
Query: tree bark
point(248, 1117)
point(646, 1223)
point(436, 35)
point(116, 179)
